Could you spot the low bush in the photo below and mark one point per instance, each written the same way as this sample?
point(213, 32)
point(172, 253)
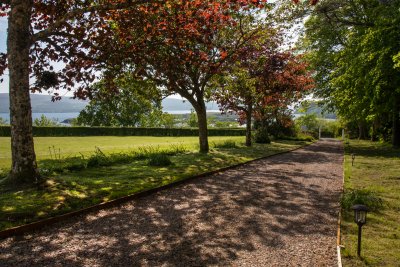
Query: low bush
point(225, 144)
point(361, 196)
point(58, 165)
point(261, 136)
point(50, 166)
point(99, 159)
point(159, 160)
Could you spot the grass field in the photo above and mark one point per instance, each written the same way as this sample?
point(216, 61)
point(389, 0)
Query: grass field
point(377, 169)
point(73, 190)
point(73, 146)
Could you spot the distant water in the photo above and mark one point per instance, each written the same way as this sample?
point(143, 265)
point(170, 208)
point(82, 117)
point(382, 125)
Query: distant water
point(54, 116)
point(63, 116)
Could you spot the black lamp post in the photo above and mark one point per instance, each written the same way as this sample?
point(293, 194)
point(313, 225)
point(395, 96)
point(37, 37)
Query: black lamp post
point(353, 157)
point(360, 218)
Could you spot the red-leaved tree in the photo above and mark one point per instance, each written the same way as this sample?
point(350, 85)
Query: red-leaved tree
point(263, 84)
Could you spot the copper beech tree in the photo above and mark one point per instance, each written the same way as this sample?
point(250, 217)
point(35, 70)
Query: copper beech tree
point(264, 81)
point(81, 35)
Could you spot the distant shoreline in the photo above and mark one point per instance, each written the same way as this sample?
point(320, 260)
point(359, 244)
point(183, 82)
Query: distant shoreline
point(61, 116)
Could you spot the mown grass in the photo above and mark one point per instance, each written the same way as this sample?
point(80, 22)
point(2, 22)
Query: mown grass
point(67, 191)
point(46, 147)
point(376, 171)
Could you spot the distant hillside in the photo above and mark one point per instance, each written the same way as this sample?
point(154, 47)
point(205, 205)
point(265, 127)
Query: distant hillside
point(314, 108)
point(43, 104)
point(171, 104)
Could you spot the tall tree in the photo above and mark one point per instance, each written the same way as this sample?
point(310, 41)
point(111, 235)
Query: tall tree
point(265, 83)
point(184, 44)
point(135, 103)
point(353, 45)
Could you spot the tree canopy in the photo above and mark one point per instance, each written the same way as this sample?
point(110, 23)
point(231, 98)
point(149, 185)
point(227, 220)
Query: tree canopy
point(353, 45)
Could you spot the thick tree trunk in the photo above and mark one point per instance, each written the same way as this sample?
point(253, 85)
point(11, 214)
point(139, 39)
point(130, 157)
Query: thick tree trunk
point(203, 131)
point(249, 111)
point(24, 167)
point(361, 131)
point(396, 124)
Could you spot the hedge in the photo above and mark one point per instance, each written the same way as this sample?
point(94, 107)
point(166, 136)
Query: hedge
point(124, 131)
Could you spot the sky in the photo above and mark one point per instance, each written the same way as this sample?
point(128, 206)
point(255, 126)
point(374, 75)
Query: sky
point(3, 49)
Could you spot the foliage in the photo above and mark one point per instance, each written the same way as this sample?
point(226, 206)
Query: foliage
point(193, 121)
point(159, 160)
point(167, 120)
point(43, 121)
point(264, 82)
point(308, 123)
point(225, 144)
point(133, 102)
point(353, 46)
point(3, 121)
point(99, 158)
point(261, 136)
point(361, 196)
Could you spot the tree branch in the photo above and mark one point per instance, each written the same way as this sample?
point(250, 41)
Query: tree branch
point(96, 8)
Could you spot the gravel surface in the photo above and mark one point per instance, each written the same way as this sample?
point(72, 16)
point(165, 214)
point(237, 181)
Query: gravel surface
point(280, 211)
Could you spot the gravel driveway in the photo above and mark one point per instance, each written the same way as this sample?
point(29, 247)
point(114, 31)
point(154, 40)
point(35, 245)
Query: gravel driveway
point(280, 211)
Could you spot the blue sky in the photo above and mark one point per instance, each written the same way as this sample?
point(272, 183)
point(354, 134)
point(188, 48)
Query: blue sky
point(3, 48)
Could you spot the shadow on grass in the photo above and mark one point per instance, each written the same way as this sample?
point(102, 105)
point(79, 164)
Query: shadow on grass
point(208, 221)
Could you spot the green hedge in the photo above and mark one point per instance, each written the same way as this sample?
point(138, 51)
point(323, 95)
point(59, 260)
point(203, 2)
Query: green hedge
point(124, 131)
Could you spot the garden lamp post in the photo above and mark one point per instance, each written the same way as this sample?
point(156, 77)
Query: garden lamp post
point(360, 218)
point(353, 157)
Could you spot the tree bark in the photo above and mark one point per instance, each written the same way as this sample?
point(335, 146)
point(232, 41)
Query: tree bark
point(202, 121)
point(396, 124)
point(24, 166)
point(249, 111)
point(361, 131)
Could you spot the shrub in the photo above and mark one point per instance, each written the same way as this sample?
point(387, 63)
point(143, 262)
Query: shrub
point(261, 136)
point(159, 160)
point(225, 144)
point(99, 159)
point(50, 166)
point(361, 196)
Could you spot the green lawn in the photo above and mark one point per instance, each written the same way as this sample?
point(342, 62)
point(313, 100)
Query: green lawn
point(376, 168)
point(74, 190)
point(73, 146)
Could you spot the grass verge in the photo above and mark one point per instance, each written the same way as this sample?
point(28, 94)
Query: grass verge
point(374, 178)
point(73, 190)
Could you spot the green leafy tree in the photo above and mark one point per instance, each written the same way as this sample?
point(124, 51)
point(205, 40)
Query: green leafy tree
point(135, 103)
point(44, 121)
point(353, 45)
point(167, 120)
point(3, 121)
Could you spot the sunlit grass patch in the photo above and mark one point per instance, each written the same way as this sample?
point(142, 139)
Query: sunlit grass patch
point(375, 180)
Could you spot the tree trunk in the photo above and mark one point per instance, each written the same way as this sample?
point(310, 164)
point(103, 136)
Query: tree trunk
point(396, 124)
point(249, 111)
point(202, 123)
point(24, 167)
point(361, 131)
